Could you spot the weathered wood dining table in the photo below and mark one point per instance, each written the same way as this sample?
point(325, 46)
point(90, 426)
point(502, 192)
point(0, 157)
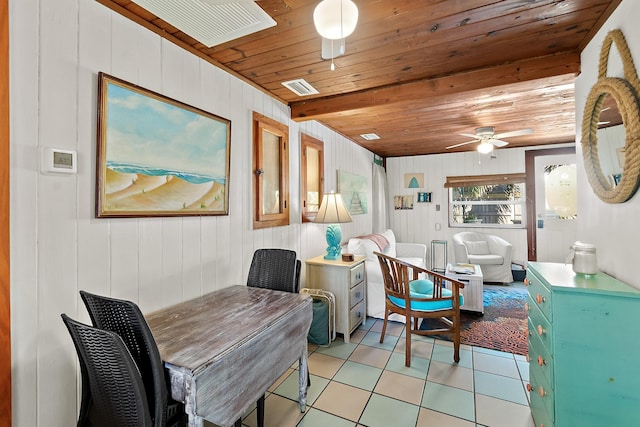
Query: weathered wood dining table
point(225, 349)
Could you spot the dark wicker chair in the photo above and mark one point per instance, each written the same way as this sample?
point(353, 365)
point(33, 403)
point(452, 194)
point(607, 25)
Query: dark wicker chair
point(434, 302)
point(277, 269)
point(125, 319)
point(117, 392)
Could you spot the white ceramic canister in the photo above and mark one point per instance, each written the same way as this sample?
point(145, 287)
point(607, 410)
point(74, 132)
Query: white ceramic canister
point(584, 258)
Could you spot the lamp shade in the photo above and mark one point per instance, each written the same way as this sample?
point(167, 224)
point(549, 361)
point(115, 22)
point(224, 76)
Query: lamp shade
point(335, 19)
point(332, 210)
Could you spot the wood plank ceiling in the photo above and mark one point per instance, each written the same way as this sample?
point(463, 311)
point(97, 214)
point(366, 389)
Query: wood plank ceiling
point(418, 73)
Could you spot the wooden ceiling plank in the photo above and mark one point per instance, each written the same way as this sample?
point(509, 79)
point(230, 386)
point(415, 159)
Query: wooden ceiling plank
point(492, 76)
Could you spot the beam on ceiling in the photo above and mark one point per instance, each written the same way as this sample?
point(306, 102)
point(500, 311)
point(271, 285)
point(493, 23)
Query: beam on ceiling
point(500, 75)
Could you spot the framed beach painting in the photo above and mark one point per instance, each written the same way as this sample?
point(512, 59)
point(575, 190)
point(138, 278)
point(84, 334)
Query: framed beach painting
point(157, 156)
point(354, 192)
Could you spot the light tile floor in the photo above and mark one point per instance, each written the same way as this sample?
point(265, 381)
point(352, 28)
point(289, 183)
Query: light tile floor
point(365, 383)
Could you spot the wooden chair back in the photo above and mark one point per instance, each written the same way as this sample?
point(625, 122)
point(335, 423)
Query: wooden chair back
point(398, 276)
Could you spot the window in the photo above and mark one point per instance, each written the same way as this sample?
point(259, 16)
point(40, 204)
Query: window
point(270, 172)
point(312, 176)
point(487, 201)
point(560, 191)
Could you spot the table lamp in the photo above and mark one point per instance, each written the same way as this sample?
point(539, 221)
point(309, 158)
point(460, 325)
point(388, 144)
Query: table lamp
point(332, 211)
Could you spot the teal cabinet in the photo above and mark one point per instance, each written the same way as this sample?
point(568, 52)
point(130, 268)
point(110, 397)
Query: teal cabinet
point(584, 348)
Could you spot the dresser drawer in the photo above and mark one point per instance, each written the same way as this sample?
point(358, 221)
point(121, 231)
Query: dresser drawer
point(540, 327)
point(542, 401)
point(540, 360)
point(357, 294)
point(357, 274)
point(356, 315)
point(540, 295)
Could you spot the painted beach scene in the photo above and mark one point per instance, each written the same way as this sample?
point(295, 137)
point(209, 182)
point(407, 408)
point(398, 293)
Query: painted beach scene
point(161, 157)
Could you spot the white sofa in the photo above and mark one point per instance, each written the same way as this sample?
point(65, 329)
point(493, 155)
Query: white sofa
point(413, 253)
point(491, 253)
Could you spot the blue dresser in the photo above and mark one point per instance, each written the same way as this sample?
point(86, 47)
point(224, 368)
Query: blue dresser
point(584, 348)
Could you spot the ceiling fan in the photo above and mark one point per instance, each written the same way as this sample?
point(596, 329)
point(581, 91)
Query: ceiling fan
point(488, 138)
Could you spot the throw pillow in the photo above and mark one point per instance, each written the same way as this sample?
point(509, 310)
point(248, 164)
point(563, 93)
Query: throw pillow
point(479, 247)
point(363, 247)
point(421, 286)
point(391, 238)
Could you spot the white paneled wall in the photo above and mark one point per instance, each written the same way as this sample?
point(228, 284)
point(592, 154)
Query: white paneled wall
point(58, 246)
point(418, 225)
point(611, 227)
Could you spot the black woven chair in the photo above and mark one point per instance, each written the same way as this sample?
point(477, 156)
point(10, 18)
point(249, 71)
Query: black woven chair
point(277, 269)
point(117, 392)
point(125, 319)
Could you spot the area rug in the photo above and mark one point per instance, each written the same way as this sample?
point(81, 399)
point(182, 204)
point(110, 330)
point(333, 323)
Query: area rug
point(503, 326)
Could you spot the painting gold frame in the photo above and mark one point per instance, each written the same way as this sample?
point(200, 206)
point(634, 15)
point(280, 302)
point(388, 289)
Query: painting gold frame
point(157, 156)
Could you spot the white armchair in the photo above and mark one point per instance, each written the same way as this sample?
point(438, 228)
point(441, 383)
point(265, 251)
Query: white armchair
point(491, 253)
point(413, 253)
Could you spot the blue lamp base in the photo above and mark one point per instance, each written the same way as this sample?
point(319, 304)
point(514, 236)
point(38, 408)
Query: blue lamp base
point(334, 237)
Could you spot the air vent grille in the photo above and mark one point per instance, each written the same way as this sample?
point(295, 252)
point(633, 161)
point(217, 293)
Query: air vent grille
point(211, 22)
point(300, 87)
point(370, 136)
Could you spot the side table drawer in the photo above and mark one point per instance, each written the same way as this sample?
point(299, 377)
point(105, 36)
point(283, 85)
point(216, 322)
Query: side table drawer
point(357, 274)
point(356, 315)
point(357, 294)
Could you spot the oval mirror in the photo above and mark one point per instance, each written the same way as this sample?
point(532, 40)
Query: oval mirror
point(610, 148)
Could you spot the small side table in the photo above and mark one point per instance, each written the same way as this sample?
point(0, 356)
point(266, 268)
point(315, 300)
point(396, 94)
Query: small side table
point(473, 291)
point(438, 263)
point(347, 281)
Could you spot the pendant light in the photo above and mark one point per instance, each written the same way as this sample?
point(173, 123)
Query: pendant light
point(335, 19)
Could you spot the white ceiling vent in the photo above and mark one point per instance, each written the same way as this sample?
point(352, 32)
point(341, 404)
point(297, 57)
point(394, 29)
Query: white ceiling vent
point(370, 136)
point(300, 87)
point(211, 22)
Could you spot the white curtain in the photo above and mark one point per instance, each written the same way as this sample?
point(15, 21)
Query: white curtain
point(379, 199)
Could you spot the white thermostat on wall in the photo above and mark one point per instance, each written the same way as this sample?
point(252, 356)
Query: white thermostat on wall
point(56, 160)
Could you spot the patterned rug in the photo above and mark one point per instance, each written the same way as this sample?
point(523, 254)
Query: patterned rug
point(504, 324)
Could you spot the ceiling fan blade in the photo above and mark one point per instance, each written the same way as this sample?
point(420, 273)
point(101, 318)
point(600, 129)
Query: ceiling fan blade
point(470, 135)
point(511, 134)
point(498, 143)
point(462, 143)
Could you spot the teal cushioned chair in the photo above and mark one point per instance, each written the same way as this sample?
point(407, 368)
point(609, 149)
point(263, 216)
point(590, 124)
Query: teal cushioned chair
point(415, 298)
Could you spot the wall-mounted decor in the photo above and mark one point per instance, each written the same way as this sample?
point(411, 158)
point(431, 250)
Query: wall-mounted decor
point(613, 97)
point(354, 192)
point(157, 156)
point(424, 197)
point(403, 202)
point(413, 180)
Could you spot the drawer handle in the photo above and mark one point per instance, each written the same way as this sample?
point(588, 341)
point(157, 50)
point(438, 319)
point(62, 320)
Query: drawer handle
point(359, 315)
point(541, 361)
point(540, 330)
point(526, 306)
point(358, 294)
point(540, 299)
point(526, 281)
point(541, 390)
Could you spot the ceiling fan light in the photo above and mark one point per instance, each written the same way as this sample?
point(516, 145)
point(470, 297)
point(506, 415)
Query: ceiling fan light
point(485, 147)
point(335, 19)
